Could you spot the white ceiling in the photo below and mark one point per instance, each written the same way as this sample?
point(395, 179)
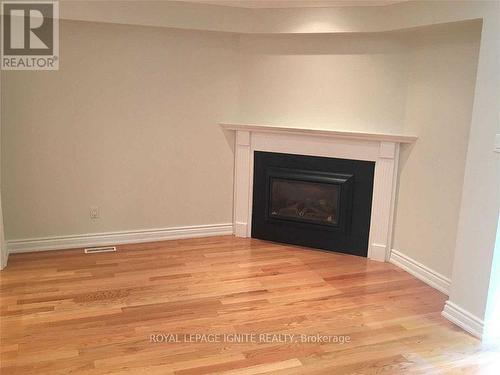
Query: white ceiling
point(295, 3)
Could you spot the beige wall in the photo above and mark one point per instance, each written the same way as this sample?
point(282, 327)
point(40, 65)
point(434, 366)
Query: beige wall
point(3, 248)
point(354, 82)
point(442, 74)
point(473, 271)
point(128, 123)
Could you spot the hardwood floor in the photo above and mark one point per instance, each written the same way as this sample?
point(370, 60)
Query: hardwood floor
point(65, 312)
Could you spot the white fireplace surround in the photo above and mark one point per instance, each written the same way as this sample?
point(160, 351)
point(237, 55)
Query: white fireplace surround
point(383, 149)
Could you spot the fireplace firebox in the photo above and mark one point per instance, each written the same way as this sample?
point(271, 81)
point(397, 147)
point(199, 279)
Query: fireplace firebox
point(313, 201)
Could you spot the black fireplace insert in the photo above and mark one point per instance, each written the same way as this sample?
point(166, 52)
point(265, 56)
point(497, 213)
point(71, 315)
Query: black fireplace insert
point(313, 201)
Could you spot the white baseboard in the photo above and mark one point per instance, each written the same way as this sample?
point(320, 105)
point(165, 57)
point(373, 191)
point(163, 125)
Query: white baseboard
point(454, 313)
point(464, 319)
point(4, 257)
point(116, 238)
point(377, 252)
point(421, 272)
point(240, 229)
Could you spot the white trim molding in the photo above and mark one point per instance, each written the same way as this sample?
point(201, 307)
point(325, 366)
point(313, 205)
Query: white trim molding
point(4, 257)
point(383, 149)
point(397, 138)
point(117, 238)
point(464, 319)
point(421, 272)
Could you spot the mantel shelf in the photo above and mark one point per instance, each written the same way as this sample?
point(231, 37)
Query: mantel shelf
point(384, 137)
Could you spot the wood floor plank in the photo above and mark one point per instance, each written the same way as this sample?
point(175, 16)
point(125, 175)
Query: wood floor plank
point(269, 308)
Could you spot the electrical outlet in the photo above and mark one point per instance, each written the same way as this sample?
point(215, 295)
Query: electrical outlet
point(94, 212)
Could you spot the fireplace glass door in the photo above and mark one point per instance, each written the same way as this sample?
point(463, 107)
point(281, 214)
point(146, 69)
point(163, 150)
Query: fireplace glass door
point(306, 201)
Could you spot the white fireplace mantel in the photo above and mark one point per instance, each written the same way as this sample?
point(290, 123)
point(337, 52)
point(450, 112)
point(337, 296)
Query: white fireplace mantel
point(383, 149)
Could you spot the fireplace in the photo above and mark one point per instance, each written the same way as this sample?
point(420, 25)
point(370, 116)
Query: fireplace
point(371, 159)
point(313, 201)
